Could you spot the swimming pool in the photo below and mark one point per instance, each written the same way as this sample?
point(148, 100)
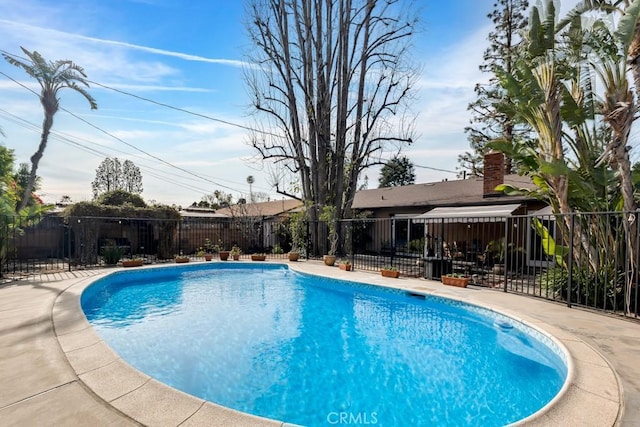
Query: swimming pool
point(366, 354)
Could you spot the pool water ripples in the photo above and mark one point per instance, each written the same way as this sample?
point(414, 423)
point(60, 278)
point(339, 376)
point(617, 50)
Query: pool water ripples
point(306, 350)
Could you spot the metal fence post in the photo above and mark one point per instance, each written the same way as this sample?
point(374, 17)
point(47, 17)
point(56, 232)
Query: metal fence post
point(3, 241)
point(306, 240)
point(353, 257)
point(179, 222)
point(636, 247)
point(570, 266)
point(506, 261)
point(441, 259)
point(68, 225)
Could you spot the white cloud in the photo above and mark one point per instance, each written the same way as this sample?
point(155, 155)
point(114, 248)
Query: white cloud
point(152, 88)
point(210, 149)
point(446, 89)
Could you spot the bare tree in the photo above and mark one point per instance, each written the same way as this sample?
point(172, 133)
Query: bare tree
point(131, 178)
point(332, 80)
point(112, 175)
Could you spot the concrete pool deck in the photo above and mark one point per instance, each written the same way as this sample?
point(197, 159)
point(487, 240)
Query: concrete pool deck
point(55, 370)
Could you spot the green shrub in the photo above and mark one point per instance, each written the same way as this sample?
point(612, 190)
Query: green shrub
point(112, 254)
point(120, 198)
point(602, 290)
point(416, 245)
point(92, 209)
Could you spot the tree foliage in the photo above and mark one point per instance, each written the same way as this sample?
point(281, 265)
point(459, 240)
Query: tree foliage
point(581, 155)
point(131, 177)
point(573, 89)
point(21, 180)
point(8, 196)
point(112, 175)
point(216, 200)
point(120, 198)
point(93, 209)
point(491, 110)
point(13, 182)
point(52, 77)
point(396, 172)
point(332, 81)
point(120, 203)
point(11, 221)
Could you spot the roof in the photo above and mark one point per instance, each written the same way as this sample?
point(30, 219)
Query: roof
point(462, 192)
point(194, 212)
point(471, 213)
point(262, 209)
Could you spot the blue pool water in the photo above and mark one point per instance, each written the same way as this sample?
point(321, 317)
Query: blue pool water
point(314, 351)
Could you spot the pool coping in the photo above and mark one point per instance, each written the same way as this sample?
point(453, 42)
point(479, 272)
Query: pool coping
point(592, 392)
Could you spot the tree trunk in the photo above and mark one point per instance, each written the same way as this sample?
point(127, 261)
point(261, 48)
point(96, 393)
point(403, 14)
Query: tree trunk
point(323, 69)
point(634, 58)
point(35, 160)
point(629, 220)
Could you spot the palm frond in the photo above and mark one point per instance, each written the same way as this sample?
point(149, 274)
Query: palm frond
point(83, 92)
point(583, 7)
point(627, 25)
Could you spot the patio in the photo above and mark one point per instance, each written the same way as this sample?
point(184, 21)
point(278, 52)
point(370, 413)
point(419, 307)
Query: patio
point(54, 372)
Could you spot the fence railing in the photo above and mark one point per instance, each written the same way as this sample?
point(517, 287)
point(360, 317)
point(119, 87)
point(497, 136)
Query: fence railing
point(588, 259)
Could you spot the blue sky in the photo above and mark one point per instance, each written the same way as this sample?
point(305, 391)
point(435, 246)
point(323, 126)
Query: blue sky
point(189, 55)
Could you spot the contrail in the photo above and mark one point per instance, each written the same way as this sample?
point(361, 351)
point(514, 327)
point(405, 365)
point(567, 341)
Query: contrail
point(185, 56)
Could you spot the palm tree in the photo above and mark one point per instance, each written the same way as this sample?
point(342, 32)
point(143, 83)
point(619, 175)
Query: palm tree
point(250, 181)
point(549, 94)
point(52, 77)
point(627, 31)
point(556, 95)
point(618, 106)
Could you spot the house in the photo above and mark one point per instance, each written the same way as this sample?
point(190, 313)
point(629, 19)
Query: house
point(462, 197)
point(276, 209)
point(255, 226)
point(196, 212)
point(457, 220)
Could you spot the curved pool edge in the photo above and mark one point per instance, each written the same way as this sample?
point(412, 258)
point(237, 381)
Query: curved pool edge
point(130, 392)
point(592, 393)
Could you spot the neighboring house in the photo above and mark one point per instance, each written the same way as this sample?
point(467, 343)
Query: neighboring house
point(276, 209)
point(261, 223)
point(195, 212)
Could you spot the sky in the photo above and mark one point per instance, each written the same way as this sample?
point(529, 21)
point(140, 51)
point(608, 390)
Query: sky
point(146, 56)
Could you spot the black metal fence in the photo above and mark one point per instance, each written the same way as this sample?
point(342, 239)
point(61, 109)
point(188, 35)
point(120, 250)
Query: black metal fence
point(588, 259)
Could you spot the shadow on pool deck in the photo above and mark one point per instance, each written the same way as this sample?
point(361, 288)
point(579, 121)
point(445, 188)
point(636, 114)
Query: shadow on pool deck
point(56, 371)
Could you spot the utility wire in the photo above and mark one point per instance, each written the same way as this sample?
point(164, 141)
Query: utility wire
point(435, 169)
point(147, 153)
point(148, 170)
point(162, 104)
point(183, 110)
point(66, 139)
point(157, 103)
point(124, 142)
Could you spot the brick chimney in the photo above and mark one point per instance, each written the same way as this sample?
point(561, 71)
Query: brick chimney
point(494, 168)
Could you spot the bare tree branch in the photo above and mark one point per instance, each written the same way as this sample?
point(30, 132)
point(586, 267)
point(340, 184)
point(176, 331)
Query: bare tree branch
point(335, 77)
